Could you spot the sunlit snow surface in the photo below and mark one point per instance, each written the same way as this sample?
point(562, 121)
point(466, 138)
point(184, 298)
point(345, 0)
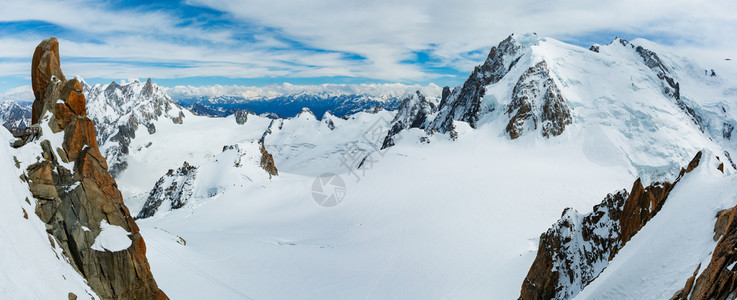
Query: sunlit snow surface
point(444, 219)
point(31, 267)
point(111, 238)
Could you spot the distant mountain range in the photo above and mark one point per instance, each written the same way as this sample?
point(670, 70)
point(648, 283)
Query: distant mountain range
point(288, 105)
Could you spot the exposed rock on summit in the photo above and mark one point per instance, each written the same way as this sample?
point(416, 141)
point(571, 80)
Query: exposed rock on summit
point(241, 116)
point(537, 101)
point(45, 67)
point(118, 110)
point(414, 112)
point(464, 102)
point(73, 189)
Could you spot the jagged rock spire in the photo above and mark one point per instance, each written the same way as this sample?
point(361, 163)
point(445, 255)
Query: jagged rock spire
point(76, 196)
point(45, 68)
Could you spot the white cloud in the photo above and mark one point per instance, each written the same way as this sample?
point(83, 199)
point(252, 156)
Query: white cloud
point(105, 41)
point(386, 31)
point(19, 94)
point(103, 18)
point(386, 90)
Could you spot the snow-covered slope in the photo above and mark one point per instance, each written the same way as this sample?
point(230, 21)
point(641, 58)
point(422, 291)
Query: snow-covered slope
point(444, 219)
point(238, 166)
point(302, 144)
point(32, 265)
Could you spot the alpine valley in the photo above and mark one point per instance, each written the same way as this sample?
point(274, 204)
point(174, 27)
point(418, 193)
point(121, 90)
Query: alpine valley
point(553, 172)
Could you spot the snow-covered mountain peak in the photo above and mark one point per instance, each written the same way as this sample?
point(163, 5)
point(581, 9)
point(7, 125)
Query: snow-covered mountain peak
point(414, 112)
point(119, 109)
point(528, 39)
point(306, 114)
point(541, 90)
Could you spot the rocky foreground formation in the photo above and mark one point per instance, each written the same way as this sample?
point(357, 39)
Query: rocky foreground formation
point(577, 248)
point(76, 196)
point(719, 279)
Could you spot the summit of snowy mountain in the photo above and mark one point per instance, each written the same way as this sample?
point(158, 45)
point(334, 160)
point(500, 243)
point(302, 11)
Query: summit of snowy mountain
point(306, 114)
point(414, 112)
point(119, 109)
point(627, 103)
point(464, 102)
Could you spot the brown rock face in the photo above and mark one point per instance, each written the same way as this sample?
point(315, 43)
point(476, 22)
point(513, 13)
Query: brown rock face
point(719, 279)
point(641, 206)
point(44, 67)
point(573, 253)
point(267, 162)
point(73, 203)
point(537, 101)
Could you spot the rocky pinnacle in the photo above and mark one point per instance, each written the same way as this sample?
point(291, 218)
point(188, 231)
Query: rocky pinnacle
point(74, 191)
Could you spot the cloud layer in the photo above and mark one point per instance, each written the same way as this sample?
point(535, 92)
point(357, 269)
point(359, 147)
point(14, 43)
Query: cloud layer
point(381, 41)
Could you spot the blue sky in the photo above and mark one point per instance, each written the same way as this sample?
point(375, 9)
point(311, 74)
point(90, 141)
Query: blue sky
point(260, 42)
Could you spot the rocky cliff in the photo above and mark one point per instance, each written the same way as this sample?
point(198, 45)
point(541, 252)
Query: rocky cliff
point(718, 280)
point(173, 189)
point(577, 248)
point(463, 103)
point(537, 102)
point(76, 196)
